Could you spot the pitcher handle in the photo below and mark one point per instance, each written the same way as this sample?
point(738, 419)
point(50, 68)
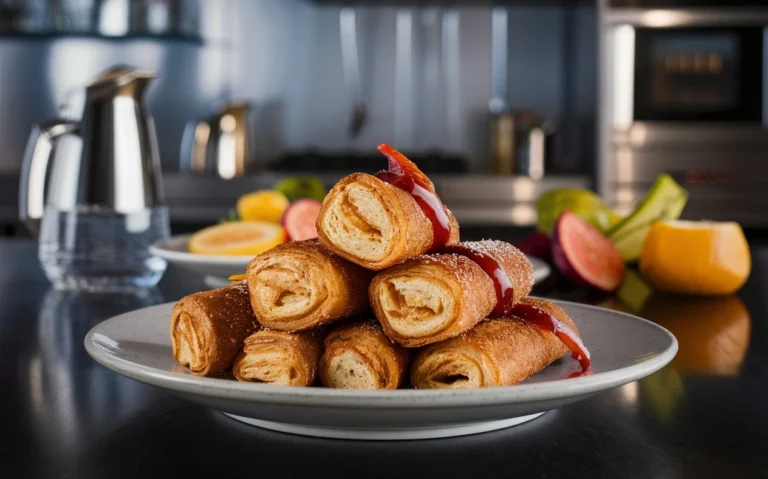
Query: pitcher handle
point(34, 170)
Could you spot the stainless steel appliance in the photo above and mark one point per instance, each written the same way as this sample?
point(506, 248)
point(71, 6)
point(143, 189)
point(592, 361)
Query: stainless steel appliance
point(683, 91)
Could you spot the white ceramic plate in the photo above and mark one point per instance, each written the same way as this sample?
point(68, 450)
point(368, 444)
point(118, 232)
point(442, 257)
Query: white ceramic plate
point(624, 348)
point(217, 269)
point(175, 251)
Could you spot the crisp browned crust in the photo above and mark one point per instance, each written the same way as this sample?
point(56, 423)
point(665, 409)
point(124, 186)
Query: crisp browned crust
point(435, 297)
point(512, 260)
point(361, 356)
point(280, 357)
point(375, 224)
point(497, 352)
point(208, 328)
point(301, 284)
point(431, 298)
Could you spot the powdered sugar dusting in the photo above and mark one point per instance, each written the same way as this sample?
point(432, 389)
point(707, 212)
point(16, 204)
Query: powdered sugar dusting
point(462, 267)
point(514, 262)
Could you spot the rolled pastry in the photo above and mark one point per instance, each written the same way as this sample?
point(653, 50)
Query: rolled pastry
point(360, 356)
point(497, 352)
point(300, 285)
point(279, 357)
point(208, 328)
point(435, 297)
point(375, 224)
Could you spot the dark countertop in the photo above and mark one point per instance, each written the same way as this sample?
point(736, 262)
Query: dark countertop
point(67, 417)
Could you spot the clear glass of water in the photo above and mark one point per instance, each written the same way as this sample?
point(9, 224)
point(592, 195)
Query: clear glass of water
point(94, 248)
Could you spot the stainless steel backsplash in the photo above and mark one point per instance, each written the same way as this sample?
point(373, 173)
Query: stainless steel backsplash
point(426, 76)
point(39, 73)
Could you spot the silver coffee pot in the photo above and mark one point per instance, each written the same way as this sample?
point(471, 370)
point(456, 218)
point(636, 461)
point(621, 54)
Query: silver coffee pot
point(109, 158)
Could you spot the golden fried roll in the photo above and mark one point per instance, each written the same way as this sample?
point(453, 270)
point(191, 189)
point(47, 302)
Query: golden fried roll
point(497, 352)
point(300, 285)
point(361, 356)
point(208, 328)
point(280, 357)
point(375, 224)
point(435, 297)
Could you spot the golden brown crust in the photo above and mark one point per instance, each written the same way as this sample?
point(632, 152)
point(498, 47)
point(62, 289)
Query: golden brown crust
point(375, 224)
point(431, 298)
point(361, 356)
point(280, 357)
point(435, 297)
point(208, 328)
point(512, 260)
point(301, 284)
point(497, 352)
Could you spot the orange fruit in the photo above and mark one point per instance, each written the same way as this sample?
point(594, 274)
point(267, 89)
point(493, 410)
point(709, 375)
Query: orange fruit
point(712, 333)
point(695, 257)
point(241, 238)
point(263, 205)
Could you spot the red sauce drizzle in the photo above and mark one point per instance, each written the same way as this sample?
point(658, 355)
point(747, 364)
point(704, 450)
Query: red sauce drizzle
point(505, 289)
point(548, 322)
point(405, 175)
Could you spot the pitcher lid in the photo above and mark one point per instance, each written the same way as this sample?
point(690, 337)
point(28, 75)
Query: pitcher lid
point(119, 75)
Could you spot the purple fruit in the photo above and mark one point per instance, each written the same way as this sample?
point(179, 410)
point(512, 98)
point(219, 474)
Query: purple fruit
point(584, 255)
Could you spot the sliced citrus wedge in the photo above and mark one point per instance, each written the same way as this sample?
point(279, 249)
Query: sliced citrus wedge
point(242, 238)
point(696, 257)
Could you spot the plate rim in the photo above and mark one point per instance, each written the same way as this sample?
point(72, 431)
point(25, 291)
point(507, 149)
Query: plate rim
point(159, 248)
point(544, 271)
point(229, 389)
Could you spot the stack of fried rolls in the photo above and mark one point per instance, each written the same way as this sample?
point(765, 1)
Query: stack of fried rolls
point(373, 303)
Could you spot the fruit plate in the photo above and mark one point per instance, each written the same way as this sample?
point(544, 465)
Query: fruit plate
point(624, 348)
point(217, 269)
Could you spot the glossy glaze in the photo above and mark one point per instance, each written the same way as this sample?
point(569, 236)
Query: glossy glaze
point(505, 290)
point(547, 322)
point(404, 174)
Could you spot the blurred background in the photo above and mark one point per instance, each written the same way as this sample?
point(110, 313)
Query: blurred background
point(497, 101)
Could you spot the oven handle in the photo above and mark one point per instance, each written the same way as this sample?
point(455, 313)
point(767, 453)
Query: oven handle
point(765, 77)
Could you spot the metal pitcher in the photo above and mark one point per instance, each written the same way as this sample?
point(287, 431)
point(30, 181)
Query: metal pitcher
point(108, 159)
point(222, 144)
point(522, 143)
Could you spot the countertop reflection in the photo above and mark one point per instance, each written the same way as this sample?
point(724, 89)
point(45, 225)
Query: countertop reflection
point(66, 416)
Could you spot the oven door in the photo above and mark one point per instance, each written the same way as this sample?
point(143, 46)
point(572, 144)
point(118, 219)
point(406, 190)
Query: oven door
point(684, 3)
point(699, 75)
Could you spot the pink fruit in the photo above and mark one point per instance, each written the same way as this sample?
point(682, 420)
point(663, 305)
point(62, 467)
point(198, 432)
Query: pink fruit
point(538, 245)
point(584, 255)
point(299, 219)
